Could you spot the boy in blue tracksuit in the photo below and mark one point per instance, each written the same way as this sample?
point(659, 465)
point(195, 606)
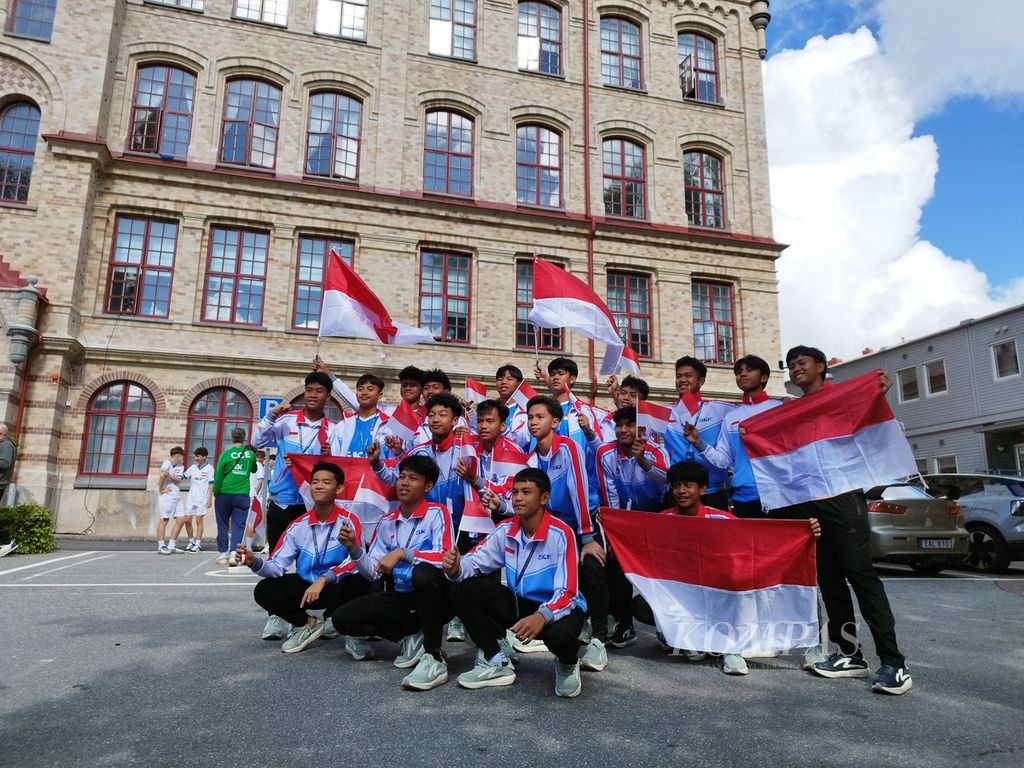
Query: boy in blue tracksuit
point(537, 552)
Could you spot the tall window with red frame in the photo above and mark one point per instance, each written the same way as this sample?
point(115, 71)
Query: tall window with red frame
point(629, 299)
point(212, 417)
point(309, 277)
point(538, 166)
point(625, 178)
point(118, 431)
point(452, 29)
point(332, 142)
point(19, 129)
point(699, 55)
point(540, 38)
point(141, 267)
point(713, 324)
point(621, 53)
point(252, 114)
point(704, 190)
point(162, 111)
point(448, 154)
point(235, 276)
point(444, 295)
point(550, 338)
point(32, 18)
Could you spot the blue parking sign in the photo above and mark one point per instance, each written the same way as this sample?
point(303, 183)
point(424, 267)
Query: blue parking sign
point(267, 404)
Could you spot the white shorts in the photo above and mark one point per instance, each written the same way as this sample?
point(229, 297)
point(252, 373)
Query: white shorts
point(171, 506)
point(195, 510)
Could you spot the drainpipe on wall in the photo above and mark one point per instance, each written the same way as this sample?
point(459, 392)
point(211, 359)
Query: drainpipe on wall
point(24, 334)
point(591, 223)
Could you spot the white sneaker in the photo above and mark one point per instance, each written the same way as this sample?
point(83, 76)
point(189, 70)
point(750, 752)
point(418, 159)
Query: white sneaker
point(174, 548)
point(222, 559)
point(528, 646)
point(163, 549)
point(232, 560)
point(6, 549)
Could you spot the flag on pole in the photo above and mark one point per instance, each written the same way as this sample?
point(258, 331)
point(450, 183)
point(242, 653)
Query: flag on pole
point(630, 361)
point(563, 301)
point(475, 391)
point(841, 438)
point(721, 586)
point(255, 523)
point(367, 496)
point(653, 417)
point(403, 423)
point(507, 460)
point(523, 394)
point(350, 309)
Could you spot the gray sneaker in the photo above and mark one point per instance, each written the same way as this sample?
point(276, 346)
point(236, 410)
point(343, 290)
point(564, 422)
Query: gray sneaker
point(507, 644)
point(587, 633)
point(595, 658)
point(358, 648)
point(329, 631)
point(276, 628)
point(568, 683)
point(484, 675)
point(456, 632)
point(813, 656)
point(411, 651)
point(733, 664)
point(429, 673)
point(301, 637)
point(528, 646)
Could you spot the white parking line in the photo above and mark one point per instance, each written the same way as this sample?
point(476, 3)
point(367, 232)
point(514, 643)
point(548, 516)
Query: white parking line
point(46, 562)
point(62, 567)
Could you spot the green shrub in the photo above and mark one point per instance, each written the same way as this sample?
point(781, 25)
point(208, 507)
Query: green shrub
point(31, 526)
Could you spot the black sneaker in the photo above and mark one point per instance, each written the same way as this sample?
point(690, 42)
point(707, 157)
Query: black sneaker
point(622, 637)
point(892, 679)
point(840, 665)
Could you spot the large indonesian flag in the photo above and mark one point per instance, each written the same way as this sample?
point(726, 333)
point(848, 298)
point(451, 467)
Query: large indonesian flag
point(841, 438)
point(563, 301)
point(352, 310)
point(721, 585)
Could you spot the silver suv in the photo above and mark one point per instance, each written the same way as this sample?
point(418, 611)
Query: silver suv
point(993, 508)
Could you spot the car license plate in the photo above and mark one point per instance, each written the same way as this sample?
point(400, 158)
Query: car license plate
point(934, 543)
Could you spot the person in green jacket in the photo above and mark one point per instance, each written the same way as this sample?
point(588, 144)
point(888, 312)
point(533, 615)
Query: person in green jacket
point(231, 494)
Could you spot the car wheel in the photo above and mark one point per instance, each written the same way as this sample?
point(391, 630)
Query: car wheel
point(928, 567)
point(987, 550)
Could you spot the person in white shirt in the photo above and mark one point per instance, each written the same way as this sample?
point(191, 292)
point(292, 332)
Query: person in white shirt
point(198, 501)
point(169, 500)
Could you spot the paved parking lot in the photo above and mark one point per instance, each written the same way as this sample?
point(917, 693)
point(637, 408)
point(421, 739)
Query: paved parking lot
point(123, 658)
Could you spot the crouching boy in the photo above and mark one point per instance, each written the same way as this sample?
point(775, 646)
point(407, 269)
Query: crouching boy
point(541, 601)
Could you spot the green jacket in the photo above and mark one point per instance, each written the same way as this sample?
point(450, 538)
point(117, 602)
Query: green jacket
point(233, 469)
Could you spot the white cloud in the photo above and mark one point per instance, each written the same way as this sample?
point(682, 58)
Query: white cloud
point(849, 182)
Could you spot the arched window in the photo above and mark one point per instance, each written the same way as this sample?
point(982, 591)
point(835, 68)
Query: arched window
point(625, 178)
point(212, 417)
point(704, 190)
point(698, 67)
point(19, 128)
point(448, 154)
point(621, 53)
point(162, 111)
point(538, 166)
point(252, 114)
point(332, 410)
point(118, 431)
point(540, 38)
point(332, 141)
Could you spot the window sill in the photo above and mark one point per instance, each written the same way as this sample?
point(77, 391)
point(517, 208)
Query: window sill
point(158, 4)
point(340, 181)
point(343, 38)
point(712, 230)
point(20, 207)
point(536, 207)
point(699, 102)
point(118, 316)
point(253, 169)
point(447, 57)
point(12, 33)
point(260, 22)
point(550, 75)
point(110, 482)
point(617, 217)
point(625, 89)
point(446, 196)
point(230, 325)
point(183, 161)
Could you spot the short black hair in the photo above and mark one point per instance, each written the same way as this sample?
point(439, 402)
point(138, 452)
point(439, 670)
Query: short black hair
point(812, 352)
point(327, 466)
point(238, 435)
point(693, 362)
point(446, 400)
point(511, 370)
point(536, 476)
point(486, 406)
point(437, 376)
point(201, 451)
point(424, 466)
point(411, 373)
point(638, 384)
point(626, 413)
point(754, 363)
point(321, 378)
point(369, 378)
point(553, 406)
point(177, 451)
point(564, 364)
point(687, 472)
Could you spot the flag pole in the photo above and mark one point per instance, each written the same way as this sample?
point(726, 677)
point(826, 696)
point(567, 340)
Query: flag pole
point(317, 356)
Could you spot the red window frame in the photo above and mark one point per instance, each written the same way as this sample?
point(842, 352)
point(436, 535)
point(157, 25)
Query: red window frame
point(236, 274)
point(719, 321)
point(537, 166)
point(143, 267)
point(551, 339)
point(702, 76)
point(263, 13)
point(310, 270)
point(440, 290)
point(628, 295)
point(18, 137)
point(270, 94)
point(614, 59)
point(339, 131)
point(445, 153)
point(450, 10)
point(616, 163)
point(32, 12)
point(531, 16)
point(155, 144)
point(144, 413)
point(223, 421)
point(702, 197)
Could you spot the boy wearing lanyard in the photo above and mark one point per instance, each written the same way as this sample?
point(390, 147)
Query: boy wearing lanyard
point(538, 554)
point(408, 600)
point(324, 575)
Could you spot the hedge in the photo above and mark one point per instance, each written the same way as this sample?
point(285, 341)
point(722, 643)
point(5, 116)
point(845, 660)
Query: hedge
point(30, 526)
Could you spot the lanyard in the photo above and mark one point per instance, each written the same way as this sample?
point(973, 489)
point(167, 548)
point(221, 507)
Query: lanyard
point(318, 559)
point(451, 460)
point(522, 571)
point(408, 539)
point(304, 447)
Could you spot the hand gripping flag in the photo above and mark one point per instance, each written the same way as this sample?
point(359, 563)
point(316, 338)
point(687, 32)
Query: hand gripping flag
point(721, 586)
point(841, 438)
point(563, 301)
point(350, 309)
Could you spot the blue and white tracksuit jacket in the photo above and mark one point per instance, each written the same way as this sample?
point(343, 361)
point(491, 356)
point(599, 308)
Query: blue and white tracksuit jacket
point(289, 433)
point(497, 479)
point(425, 536)
point(624, 484)
point(449, 489)
point(708, 420)
point(571, 499)
point(728, 451)
point(542, 569)
point(313, 547)
point(353, 434)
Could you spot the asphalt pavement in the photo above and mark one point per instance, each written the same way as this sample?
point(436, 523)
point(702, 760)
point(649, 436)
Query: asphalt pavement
point(119, 657)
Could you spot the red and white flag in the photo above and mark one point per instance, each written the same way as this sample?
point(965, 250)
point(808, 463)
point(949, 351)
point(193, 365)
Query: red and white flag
point(563, 301)
point(630, 361)
point(842, 438)
point(364, 494)
point(653, 417)
point(523, 394)
point(255, 523)
point(350, 309)
point(475, 391)
point(404, 422)
point(507, 460)
point(721, 586)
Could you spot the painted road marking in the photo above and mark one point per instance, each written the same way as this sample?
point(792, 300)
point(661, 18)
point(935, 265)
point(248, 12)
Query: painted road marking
point(46, 562)
point(62, 567)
